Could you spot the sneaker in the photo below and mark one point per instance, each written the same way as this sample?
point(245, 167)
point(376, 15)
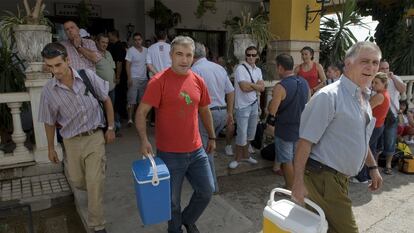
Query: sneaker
point(130, 123)
point(191, 228)
point(233, 164)
point(229, 150)
point(250, 160)
point(251, 150)
point(356, 181)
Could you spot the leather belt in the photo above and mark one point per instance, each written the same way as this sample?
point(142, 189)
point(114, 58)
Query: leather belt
point(218, 108)
point(87, 133)
point(313, 165)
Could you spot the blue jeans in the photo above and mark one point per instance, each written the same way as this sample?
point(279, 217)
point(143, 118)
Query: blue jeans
point(196, 168)
point(390, 137)
point(363, 175)
point(285, 150)
point(219, 121)
point(246, 119)
point(111, 95)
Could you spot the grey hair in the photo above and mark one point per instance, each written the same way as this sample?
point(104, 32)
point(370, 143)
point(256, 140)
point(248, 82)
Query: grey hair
point(355, 49)
point(200, 50)
point(183, 41)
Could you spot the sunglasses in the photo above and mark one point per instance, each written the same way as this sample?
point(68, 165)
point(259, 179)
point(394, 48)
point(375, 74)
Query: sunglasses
point(48, 52)
point(251, 55)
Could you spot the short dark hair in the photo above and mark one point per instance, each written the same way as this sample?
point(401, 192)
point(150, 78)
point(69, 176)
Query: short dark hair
point(100, 35)
point(115, 33)
point(252, 47)
point(285, 60)
point(161, 34)
point(311, 51)
point(53, 50)
point(137, 34)
point(339, 66)
point(383, 60)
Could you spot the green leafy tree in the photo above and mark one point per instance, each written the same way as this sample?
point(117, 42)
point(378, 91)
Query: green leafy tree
point(335, 33)
point(393, 35)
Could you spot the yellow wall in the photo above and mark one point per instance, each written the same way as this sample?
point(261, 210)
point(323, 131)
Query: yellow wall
point(287, 20)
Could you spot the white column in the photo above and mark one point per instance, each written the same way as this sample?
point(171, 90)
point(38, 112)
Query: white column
point(34, 84)
point(409, 93)
point(18, 136)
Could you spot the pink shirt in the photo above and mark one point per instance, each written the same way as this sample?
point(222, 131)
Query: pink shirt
point(77, 60)
point(71, 108)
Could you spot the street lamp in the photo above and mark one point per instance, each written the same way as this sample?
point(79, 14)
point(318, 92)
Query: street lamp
point(308, 18)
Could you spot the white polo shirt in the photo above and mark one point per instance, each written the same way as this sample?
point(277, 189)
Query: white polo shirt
point(244, 99)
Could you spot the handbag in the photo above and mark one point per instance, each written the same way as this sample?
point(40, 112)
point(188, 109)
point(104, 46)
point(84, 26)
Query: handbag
point(89, 88)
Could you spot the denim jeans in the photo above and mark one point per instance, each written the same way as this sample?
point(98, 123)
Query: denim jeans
point(363, 175)
point(196, 168)
point(111, 95)
point(246, 119)
point(390, 137)
point(219, 122)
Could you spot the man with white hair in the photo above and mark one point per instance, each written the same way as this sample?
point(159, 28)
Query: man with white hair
point(82, 52)
point(334, 134)
point(220, 90)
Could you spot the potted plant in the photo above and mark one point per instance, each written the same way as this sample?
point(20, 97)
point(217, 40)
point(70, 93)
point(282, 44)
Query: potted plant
point(12, 79)
point(163, 16)
point(249, 30)
point(204, 6)
point(30, 33)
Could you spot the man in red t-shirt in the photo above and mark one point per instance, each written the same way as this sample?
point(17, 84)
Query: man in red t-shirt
point(179, 96)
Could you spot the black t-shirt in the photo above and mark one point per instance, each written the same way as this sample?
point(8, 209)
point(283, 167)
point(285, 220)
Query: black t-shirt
point(117, 51)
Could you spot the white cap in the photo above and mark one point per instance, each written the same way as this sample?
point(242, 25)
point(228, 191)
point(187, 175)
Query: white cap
point(83, 33)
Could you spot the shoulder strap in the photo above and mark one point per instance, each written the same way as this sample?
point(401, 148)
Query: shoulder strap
point(87, 83)
point(248, 71)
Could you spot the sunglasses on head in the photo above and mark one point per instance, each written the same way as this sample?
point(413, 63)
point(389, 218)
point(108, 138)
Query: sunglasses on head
point(48, 52)
point(251, 55)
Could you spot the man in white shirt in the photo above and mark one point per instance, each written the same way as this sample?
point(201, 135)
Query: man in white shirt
point(137, 74)
point(395, 87)
point(248, 81)
point(158, 57)
point(220, 90)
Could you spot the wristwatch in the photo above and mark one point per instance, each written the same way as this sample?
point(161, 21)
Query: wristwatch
point(110, 128)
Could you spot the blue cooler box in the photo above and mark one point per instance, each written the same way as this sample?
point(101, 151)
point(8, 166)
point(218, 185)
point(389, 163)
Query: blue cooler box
point(152, 190)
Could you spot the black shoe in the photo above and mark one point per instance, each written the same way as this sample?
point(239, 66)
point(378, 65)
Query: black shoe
point(191, 228)
point(101, 231)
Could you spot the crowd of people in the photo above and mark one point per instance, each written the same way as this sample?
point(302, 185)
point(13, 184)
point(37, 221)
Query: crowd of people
point(328, 128)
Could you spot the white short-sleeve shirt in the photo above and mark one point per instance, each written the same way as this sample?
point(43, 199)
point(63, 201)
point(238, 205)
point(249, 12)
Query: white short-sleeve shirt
point(159, 55)
point(244, 99)
point(138, 63)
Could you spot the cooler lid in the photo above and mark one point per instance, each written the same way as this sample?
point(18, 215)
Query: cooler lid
point(292, 217)
point(143, 172)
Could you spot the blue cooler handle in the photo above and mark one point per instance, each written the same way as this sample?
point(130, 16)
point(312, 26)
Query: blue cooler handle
point(307, 201)
point(155, 180)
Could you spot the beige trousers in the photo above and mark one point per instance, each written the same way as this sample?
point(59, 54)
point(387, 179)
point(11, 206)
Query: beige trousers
point(85, 162)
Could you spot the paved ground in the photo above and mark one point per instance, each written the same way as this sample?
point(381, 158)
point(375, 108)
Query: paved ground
point(239, 205)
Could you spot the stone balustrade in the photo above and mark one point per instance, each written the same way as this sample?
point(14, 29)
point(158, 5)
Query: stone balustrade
point(20, 155)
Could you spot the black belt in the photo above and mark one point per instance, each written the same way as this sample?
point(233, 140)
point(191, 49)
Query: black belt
point(314, 165)
point(218, 108)
point(87, 133)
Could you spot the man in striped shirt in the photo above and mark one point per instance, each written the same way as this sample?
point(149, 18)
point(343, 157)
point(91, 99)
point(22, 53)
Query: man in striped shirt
point(66, 101)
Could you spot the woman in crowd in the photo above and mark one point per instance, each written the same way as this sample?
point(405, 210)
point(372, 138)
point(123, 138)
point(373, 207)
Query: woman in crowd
point(380, 104)
point(405, 123)
point(310, 70)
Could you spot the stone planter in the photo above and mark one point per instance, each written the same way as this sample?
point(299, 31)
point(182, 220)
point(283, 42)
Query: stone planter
point(241, 42)
point(30, 40)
